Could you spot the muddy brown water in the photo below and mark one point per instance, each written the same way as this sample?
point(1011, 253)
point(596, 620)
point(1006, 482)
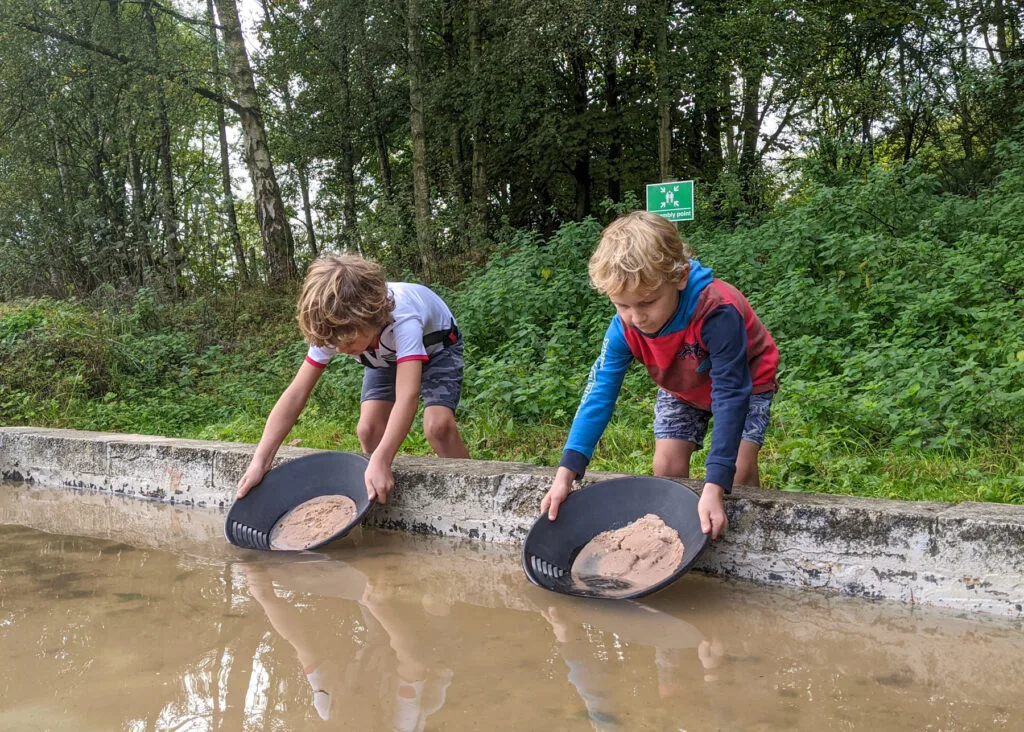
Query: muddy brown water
point(122, 615)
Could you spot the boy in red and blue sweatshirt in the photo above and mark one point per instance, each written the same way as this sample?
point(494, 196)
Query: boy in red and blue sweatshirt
point(703, 346)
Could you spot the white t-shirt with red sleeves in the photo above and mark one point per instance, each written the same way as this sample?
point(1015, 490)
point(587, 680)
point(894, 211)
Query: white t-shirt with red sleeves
point(418, 311)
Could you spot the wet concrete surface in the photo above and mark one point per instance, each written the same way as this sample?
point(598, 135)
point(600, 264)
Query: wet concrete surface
point(967, 557)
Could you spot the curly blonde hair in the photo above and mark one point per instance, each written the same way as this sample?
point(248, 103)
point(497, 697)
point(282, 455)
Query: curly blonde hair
point(638, 252)
point(343, 296)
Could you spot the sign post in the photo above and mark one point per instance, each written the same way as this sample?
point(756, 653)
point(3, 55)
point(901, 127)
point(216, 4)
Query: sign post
point(672, 200)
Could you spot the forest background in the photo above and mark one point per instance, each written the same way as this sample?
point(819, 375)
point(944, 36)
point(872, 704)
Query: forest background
point(859, 170)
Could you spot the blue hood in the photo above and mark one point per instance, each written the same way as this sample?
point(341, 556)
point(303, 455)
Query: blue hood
point(700, 277)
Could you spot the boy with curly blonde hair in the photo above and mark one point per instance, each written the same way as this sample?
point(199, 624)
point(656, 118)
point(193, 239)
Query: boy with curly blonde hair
point(405, 336)
point(703, 346)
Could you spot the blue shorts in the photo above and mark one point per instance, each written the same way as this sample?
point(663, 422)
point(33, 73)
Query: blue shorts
point(440, 385)
point(674, 419)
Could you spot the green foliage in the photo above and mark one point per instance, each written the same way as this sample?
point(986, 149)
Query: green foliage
point(532, 112)
point(897, 309)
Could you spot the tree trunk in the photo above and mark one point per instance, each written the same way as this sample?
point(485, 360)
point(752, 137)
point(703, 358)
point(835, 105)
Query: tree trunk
point(664, 98)
point(749, 130)
point(225, 163)
point(460, 187)
point(421, 187)
point(270, 211)
point(383, 161)
point(142, 256)
point(120, 176)
point(611, 89)
point(479, 165)
point(732, 151)
point(716, 105)
point(73, 229)
point(369, 84)
point(167, 204)
point(300, 162)
point(581, 165)
point(350, 231)
point(713, 133)
point(999, 15)
point(302, 173)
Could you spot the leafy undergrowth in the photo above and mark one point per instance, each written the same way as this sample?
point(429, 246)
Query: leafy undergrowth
point(897, 310)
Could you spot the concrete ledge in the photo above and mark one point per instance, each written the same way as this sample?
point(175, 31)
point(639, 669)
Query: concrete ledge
point(968, 557)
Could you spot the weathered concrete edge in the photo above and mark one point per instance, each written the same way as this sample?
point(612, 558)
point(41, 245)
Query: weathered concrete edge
point(968, 557)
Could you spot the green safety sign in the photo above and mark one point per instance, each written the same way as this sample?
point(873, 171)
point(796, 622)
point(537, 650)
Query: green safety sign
point(673, 200)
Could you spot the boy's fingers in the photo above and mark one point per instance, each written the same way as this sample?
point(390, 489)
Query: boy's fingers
point(553, 511)
point(705, 522)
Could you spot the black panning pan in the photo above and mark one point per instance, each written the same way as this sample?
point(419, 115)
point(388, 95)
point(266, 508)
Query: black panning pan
point(551, 546)
point(252, 518)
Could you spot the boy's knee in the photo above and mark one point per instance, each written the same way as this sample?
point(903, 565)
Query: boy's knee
point(369, 434)
point(440, 429)
point(672, 466)
point(672, 457)
point(748, 475)
point(747, 472)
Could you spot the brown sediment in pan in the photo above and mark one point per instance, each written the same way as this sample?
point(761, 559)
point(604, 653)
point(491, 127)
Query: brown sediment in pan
point(311, 522)
point(640, 554)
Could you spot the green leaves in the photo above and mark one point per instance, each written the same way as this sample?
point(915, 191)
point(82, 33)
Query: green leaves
point(911, 388)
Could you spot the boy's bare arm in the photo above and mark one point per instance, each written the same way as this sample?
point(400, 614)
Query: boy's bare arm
point(280, 422)
point(379, 479)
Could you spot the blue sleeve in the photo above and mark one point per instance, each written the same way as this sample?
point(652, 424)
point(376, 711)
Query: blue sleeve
point(598, 401)
point(725, 337)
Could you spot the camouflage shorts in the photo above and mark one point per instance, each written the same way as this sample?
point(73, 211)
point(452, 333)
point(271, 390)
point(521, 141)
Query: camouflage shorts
point(674, 419)
point(440, 385)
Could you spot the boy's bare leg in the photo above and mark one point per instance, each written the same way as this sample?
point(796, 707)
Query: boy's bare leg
point(442, 432)
point(373, 419)
point(746, 464)
point(672, 457)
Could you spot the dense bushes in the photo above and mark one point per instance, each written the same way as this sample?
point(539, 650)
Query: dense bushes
point(898, 311)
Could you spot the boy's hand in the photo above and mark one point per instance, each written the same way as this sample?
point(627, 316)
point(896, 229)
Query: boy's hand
point(252, 477)
point(711, 509)
point(558, 492)
point(379, 480)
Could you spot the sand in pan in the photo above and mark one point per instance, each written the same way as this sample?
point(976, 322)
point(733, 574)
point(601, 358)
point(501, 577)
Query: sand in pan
point(311, 522)
point(632, 558)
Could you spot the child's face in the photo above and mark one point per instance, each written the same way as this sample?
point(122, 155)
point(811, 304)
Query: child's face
point(648, 311)
point(356, 344)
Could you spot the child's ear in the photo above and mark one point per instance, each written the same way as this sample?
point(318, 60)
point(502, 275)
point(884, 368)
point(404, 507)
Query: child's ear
point(684, 278)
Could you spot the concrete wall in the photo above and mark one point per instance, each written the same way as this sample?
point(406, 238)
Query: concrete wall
point(968, 556)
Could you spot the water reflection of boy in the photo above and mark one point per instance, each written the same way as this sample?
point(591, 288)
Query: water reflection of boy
point(421, 689)
point(320, 670)
point(593, 679)
point(596, 679)
point(422, 683)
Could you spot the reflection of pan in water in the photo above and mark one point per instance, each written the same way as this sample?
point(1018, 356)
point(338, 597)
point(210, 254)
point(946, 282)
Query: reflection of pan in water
point(319, 576)
point(631, 622)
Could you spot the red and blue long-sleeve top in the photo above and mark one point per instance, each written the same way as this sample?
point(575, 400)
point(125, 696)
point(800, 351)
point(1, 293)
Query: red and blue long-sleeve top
point(713, 353)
